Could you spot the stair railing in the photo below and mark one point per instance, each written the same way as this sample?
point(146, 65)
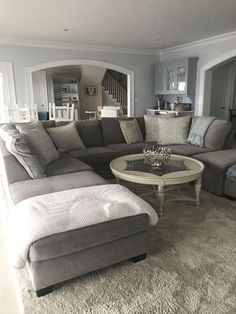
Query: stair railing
point(112, 85)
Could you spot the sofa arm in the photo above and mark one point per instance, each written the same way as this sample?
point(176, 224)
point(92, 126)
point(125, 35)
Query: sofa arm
point(216, 164)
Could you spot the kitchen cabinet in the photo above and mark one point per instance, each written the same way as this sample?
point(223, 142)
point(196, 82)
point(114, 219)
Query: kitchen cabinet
point(176, 77)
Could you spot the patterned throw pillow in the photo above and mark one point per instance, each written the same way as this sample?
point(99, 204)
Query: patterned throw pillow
point(66, 137)
point(16, 144)
point(152, 126)
point(174, 130)
point(131, 131)
point(39, 142)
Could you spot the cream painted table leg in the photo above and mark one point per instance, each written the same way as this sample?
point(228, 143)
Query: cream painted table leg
point(160, 195)
point(198, 185)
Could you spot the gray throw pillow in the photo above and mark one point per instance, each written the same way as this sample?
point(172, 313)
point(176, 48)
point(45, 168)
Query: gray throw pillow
point(174, 130)
point(152, 126)
point(39, 142)
point(16, 144)
point(131, 131)
point(66, 137)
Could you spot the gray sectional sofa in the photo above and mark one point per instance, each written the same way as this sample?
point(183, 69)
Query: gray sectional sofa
point(63, 256)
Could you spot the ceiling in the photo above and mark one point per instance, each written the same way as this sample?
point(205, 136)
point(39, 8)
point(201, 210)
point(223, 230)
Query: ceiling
point(137, 24)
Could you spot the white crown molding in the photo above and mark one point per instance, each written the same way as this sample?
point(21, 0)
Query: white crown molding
point(69, 46)
point(198, 43)
point(138, 51)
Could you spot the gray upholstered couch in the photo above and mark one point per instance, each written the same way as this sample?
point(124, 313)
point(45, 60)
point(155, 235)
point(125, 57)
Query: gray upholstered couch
point(63, 256)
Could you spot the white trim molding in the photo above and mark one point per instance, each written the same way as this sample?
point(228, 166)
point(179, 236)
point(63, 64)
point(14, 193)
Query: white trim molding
point(198, 43)
point(203, 100)
point(58, 63)
point(9, 96)
point(72, 46)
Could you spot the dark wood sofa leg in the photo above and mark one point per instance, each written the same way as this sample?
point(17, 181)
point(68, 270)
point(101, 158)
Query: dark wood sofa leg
point(44, 291)
point(139, 258)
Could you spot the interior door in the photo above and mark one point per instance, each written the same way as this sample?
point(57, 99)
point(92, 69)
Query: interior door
point(40, 90)
point(229, 90)
point(7, 90)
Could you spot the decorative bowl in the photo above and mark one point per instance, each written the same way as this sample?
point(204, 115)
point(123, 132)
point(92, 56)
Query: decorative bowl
point(156, 155)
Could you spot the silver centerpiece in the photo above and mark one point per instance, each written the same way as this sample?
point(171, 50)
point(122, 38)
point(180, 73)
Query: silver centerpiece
point(156, 155)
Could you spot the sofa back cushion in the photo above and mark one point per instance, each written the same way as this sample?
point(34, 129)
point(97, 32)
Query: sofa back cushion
point(90, 132)
point(48, 124)
point(39, 142)
point(16, 144)
point(66, 137)
point(111, 131)
point(217, 134)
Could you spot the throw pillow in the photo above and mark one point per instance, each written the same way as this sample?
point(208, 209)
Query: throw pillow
point(16, 144)
point(174, 130)
point(66, 137)
point(131, 131)
point(39, 142)
point(152, 126)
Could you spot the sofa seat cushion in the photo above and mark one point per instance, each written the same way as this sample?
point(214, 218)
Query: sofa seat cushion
point(95, 155)
point(25, 189)
point(77, 240)
point(187, 149)
point(66, 165)
point(126, 149)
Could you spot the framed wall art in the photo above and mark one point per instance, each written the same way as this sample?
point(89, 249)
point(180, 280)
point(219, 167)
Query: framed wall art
point(90, 90)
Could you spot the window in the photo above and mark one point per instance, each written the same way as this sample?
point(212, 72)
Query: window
point(7, 89)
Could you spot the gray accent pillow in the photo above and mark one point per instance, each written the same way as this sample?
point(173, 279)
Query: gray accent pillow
point(152, 126)
point(131, 131)
point(174, 130)
point(16, 144)
point(66, 137)
point(39, 142)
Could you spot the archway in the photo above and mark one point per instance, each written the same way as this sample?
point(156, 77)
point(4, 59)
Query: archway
point(205, 83)
point(129, 73)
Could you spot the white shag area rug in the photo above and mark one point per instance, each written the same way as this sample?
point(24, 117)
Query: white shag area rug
point(191, 268)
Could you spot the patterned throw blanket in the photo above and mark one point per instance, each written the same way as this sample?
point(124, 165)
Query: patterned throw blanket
point(48, 214)
point(199, 129)
point(231, 173)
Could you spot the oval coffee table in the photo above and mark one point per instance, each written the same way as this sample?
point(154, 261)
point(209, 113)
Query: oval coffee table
point(178, 171)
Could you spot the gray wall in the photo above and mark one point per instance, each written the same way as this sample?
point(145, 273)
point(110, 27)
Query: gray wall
point(23, 57)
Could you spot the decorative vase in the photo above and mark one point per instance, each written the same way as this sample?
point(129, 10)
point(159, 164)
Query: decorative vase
point(156, 155)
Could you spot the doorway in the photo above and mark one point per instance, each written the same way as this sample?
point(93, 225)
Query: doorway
point(43, 73)
point(223, 89)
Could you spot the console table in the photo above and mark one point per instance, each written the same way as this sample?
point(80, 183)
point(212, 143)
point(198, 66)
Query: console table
point(170, 112)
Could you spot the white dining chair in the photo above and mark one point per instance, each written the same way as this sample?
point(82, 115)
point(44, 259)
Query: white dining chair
point(22, 113)
point(61, 113)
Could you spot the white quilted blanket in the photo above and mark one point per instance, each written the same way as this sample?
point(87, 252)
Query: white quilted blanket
point(48, 214)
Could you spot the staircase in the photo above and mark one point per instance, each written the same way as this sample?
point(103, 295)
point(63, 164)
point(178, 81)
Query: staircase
point(115, 86)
